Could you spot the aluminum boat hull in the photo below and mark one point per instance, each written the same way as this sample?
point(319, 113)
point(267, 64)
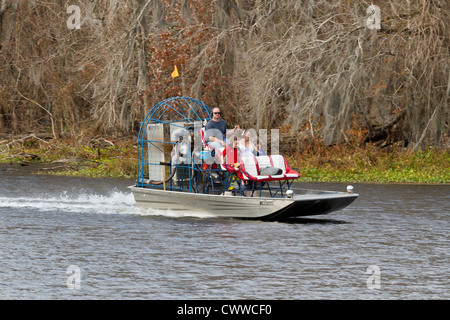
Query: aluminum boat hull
point(313, 202)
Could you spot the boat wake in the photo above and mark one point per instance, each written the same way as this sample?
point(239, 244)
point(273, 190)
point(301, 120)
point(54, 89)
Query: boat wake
point(117, 202)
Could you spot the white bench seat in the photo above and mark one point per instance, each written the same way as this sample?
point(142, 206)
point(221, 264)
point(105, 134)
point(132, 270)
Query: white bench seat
point(251, 166)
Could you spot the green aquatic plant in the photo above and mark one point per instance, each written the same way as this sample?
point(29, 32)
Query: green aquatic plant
point(99, 158)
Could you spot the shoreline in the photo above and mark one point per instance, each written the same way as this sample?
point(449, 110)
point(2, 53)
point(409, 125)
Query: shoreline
point(53, 168)
point(23, 169)
point(317, 163)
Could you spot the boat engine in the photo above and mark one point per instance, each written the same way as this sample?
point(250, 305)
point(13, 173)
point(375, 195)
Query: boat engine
point(181, 156)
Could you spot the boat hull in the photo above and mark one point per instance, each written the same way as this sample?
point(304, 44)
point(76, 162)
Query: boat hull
point(266, 208)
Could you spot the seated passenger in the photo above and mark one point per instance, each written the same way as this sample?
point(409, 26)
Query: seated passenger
point(231, 153)
point(216, 130)
point(247, 148)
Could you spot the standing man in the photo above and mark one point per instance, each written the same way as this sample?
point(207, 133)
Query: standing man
point(216, 130)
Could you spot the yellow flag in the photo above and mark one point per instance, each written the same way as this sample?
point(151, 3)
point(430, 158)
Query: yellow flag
point(175, 72)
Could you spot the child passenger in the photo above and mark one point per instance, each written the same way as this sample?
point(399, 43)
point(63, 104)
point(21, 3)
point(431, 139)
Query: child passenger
point(232, 153)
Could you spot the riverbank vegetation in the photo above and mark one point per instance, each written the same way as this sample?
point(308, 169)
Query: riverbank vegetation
point(100, 157)
point(358, 94)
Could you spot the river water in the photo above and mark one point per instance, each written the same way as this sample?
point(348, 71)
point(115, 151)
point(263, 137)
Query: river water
point(75, 238)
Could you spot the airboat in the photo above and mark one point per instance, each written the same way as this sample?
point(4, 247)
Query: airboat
point(177, 170)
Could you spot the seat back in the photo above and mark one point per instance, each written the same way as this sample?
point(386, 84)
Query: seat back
point(278, 161)
point(249, 165)
point(202, 135)
point(205, 145)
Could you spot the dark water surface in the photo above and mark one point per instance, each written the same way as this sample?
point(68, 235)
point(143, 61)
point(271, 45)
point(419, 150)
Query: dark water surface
point(50, 226)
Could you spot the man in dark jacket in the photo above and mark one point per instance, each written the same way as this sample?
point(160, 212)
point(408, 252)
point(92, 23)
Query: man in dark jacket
point(216, 130)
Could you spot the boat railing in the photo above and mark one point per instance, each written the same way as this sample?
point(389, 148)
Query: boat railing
point(172, 155)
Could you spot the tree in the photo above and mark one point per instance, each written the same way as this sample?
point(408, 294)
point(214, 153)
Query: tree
point(309, 67)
